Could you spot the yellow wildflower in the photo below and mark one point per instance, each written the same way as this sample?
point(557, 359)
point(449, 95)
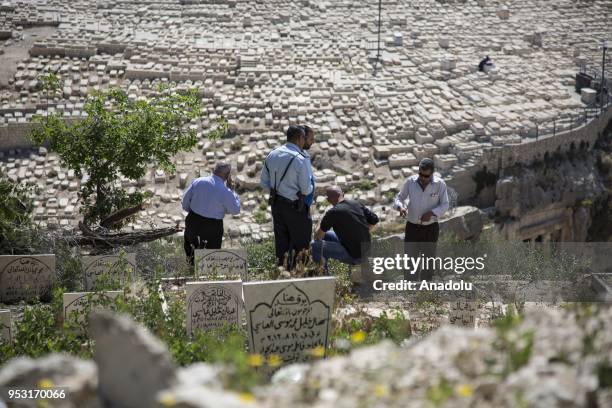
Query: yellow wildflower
point(255, 360)
point(246, 397)
point(381, 390)
point(167, 400)
point(45, 383)
point(465, 390)
point(318, 351)
point(274, 360)
point(358, 337)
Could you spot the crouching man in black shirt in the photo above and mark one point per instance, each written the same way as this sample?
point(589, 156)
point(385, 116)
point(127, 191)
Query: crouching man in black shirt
point(351, 222)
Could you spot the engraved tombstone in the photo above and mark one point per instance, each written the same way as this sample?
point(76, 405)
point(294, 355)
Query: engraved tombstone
point(289, 318)
point(5, 326)
point(228, 263)
point(94, 266)
point(26, 277)
point(212, 304)
point(463, 312)
point(77, 302)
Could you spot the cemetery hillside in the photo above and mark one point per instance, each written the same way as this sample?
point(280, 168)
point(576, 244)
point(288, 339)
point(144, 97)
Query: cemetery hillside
point(312, 203)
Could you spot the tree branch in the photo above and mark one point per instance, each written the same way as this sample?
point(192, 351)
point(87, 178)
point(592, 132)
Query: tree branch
point(110, 240)
point(119, 215)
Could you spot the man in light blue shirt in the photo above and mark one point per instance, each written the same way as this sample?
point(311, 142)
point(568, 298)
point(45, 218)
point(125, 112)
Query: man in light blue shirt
point(310, 139)
point(207, 200)
point(287, 175)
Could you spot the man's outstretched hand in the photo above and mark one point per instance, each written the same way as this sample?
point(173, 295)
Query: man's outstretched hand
point(403, 212)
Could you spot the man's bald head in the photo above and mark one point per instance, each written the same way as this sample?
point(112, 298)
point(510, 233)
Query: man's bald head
point(334, 194)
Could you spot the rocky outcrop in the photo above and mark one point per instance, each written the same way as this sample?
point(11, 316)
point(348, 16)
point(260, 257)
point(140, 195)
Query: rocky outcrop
point(561, 184)
point(552, 196)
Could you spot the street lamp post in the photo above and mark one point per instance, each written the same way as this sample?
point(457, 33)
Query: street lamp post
point(604, 46)
point(378, 44)
point(379, 25)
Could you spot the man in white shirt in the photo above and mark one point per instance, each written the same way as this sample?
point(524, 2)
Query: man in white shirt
point(423, 200)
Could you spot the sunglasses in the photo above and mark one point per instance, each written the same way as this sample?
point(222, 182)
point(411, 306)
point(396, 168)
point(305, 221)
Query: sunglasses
point(424, 175)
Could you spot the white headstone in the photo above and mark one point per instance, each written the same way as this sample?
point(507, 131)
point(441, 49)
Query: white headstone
point(210, 305)
point(588, 95)
point(228, 263)
point(24, 277)
point(94, 266)
point(5, 326)
point(77, 302)
point(289, 318)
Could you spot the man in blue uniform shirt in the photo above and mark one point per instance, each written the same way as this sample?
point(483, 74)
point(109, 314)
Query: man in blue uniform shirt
point(287, 175)
point(207, 200)
point(310, 139)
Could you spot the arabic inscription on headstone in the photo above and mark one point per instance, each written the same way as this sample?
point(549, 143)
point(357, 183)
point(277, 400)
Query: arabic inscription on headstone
point(211, 305)
point(26, 277)
point(95, 266)
point(226, 263)
point(289, 318)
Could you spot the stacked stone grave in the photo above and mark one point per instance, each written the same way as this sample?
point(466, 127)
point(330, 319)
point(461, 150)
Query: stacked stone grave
point(265, 66)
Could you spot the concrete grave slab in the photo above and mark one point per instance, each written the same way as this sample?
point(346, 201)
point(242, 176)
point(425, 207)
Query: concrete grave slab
point(94, 266)
point(289, 318)
point(211, 305)
point(24, 277)
point(463, 312)
point(227, 263)
point(5, 326)
point(77, 302)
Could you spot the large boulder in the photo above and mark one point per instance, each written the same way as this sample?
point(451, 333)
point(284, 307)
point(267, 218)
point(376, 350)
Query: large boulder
point(133, 365)
point(465, 222)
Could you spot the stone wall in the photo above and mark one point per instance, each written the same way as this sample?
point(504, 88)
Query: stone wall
point(499, 158)
point(15, 135)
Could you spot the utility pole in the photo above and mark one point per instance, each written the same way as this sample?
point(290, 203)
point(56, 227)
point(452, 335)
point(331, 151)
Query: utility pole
point(379, 26)
point(604, 45)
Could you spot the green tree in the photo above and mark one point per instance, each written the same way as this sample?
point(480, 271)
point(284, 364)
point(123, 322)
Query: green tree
point(121, 137)
point(16, 236)
point(49, 83)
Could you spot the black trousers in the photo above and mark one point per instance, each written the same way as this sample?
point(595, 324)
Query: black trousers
point(292, 232)
point(201, 232)
point(421, 240)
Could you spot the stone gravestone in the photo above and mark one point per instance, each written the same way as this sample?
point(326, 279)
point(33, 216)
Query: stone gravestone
point(5, 326)
point(94, 266)
point(227, 263)
point(77, 302)
point(463, 312)
point(25, 277)
point(212, 304)
point(289, 318)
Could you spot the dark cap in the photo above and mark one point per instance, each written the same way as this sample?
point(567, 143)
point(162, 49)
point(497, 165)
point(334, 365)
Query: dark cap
point(426, 164)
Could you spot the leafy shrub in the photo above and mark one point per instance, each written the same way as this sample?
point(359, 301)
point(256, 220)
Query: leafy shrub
point(17, 235)
point(260, 216)
point(261, 258)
